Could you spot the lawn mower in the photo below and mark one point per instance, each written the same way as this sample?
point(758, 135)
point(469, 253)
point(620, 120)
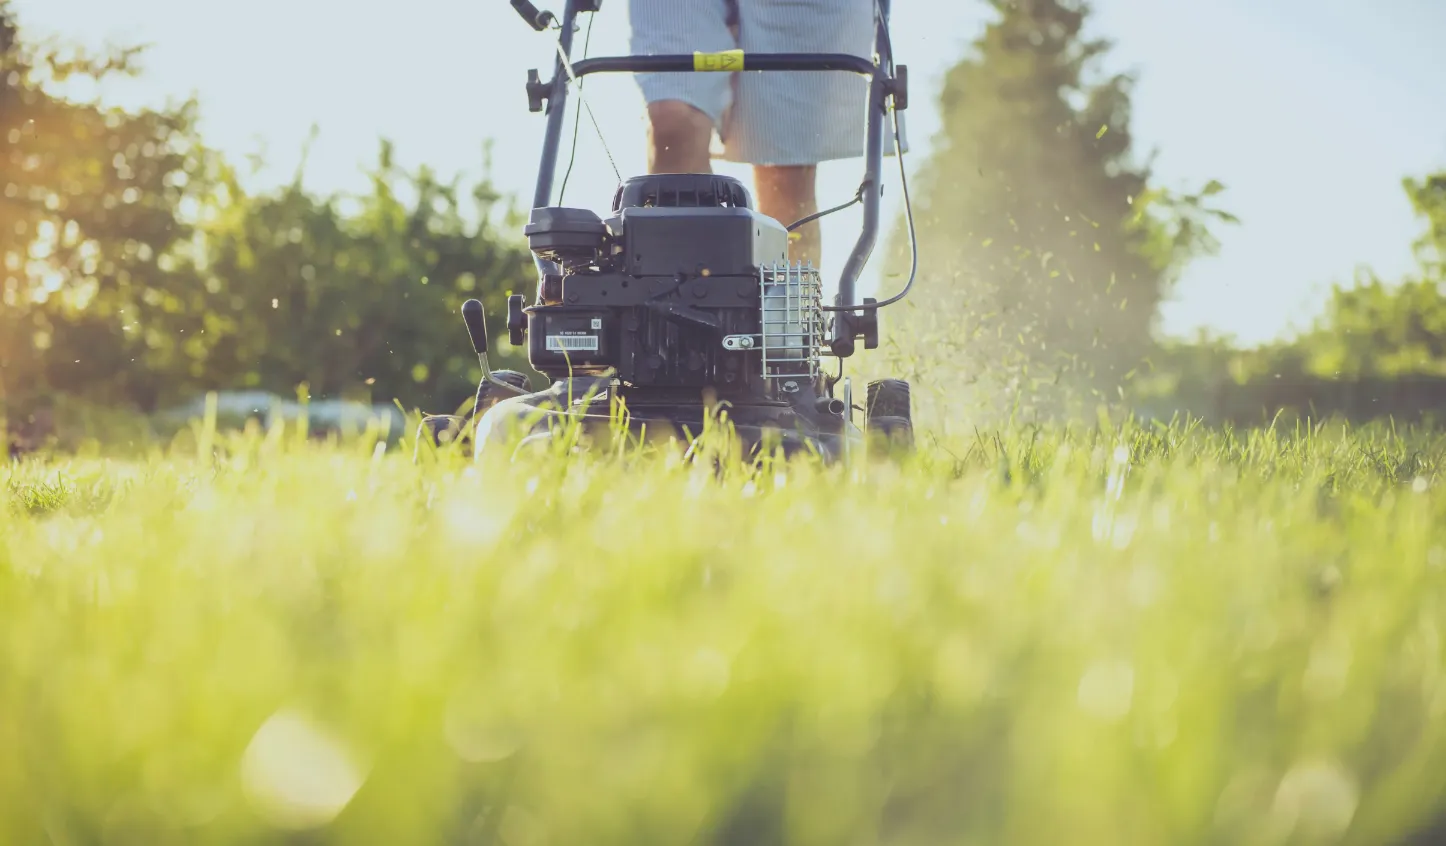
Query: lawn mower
point(683, 308)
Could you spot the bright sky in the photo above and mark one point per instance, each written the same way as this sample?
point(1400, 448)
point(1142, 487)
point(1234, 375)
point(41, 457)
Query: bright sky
point(1310, 111)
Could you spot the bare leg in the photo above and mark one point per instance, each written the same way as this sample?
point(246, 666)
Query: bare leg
point(787, 193)
point(678, 136)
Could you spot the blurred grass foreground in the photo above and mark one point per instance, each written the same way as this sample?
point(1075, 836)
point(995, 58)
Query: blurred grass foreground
point(1112, 635)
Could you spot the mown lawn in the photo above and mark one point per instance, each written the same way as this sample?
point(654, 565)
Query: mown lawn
point(1117, 636)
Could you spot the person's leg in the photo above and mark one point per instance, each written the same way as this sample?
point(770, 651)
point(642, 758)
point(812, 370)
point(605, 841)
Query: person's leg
point(786, 193)
point(785, 124)
point(679, 135)
point(683, 108)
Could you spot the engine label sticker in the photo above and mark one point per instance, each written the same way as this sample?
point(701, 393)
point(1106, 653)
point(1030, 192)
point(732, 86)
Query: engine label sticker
point(570, 343)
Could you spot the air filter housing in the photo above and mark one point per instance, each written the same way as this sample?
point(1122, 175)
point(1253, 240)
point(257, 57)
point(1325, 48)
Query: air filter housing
point(566, 236)
point(682, 190)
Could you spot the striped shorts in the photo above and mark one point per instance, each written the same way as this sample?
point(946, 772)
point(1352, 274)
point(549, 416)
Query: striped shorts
point(772, 118)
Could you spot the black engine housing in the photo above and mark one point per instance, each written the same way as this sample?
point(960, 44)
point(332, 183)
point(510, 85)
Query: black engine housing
point(651, 292)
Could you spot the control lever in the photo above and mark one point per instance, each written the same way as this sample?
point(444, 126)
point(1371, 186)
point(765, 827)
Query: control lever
point(475, 318)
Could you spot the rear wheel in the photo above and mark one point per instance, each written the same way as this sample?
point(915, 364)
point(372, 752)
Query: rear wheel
point(438, 431)
point(888, 416)
point(488, 393)
point(889, 398)
point(891, 434)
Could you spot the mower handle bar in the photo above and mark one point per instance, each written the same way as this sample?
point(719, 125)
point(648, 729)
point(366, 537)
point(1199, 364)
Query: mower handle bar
point(729, 61)
point(847, 322)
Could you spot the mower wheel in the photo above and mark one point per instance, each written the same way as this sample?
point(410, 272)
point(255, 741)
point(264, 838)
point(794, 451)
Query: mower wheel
point(888, 416)
point(512, 377)
point(488, 393)
point(888, 398)
point(438, 430)
point(891, 433)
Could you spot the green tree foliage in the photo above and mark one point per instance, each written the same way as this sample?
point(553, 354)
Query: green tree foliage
point(1045, 250)
point(359, 296)
point(139, 271)
point(1428, 197)
point(89, 229)
point(1381, 330)
point(1375, 328)
point(1378, 347)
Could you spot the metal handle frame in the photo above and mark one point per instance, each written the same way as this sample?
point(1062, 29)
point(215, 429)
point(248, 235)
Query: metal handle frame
point(847, 324)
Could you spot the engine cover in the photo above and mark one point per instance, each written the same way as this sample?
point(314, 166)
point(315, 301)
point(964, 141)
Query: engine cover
point(678, 270)
point(699, 242)
point(682, 190)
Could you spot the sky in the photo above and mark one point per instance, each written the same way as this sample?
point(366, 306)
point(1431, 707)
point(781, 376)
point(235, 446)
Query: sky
point(1311, 112)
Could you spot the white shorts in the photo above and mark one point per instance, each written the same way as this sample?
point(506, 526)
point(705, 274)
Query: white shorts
point(775, 117)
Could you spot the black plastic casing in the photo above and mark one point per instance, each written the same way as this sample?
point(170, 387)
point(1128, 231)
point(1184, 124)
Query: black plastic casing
point(654, 299)
point(698, 241)
point(565, 235)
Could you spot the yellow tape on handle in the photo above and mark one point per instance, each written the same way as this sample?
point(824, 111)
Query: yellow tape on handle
point(726, 61)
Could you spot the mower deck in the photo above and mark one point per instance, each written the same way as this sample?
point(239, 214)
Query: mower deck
point(587, 405)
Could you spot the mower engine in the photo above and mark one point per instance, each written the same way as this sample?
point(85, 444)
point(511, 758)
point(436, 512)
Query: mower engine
point(683, 302)
point(684, 287)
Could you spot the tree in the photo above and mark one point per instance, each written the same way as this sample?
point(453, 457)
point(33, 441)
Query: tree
point(362, 304)
point(89, 228)
point(1044, 250)
point(138, 271)
point(1428, 198)
point(1378, 349)
point(1376, 329)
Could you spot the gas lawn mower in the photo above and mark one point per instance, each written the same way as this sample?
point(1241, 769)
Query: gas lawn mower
point(683, 306)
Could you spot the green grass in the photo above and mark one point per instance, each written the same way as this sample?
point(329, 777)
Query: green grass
point(1109, 635)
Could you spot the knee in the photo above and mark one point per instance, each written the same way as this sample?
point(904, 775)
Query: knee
point(676, 125)
point(786, 189)
point(788, 179)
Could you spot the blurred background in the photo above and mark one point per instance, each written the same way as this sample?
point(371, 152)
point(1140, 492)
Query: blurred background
point(1228, 209)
